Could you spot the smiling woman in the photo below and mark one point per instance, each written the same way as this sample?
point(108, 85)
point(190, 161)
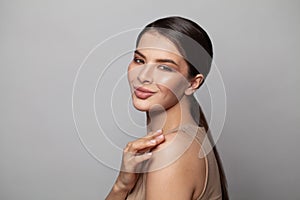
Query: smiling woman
point(155, 74)
point(171, 61)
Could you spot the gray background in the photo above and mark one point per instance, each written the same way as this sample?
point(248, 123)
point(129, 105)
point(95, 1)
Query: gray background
point(42, 44)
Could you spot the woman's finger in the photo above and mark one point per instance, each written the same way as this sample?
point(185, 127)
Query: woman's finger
point(145, 143)
point(142, 157)
point(155, 133)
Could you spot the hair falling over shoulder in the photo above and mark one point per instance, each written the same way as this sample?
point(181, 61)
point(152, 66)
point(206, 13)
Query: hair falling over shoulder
point(199, 117)
point(203, 123)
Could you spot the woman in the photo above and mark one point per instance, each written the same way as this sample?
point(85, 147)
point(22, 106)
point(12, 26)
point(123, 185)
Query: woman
point(172, 58)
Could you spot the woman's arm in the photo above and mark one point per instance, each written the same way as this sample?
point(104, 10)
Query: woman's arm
point(118, 192)
point(133, 155)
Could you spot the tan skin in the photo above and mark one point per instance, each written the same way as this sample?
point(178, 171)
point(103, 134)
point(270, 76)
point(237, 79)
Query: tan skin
point(152, 68)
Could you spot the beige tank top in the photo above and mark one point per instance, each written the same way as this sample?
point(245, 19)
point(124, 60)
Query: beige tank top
point(212, 187)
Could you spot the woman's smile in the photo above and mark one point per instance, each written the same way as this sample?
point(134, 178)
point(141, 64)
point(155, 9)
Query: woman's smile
point(143, 93)
point(157, 74)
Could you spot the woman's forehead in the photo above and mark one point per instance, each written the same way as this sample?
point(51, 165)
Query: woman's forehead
point(155, 41)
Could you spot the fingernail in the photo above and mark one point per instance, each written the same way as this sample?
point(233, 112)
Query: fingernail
point(160, 137)
point(159, 131)
point(152, 141)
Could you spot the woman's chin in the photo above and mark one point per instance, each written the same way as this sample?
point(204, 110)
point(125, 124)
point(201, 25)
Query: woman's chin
point(148, 107)
point(143, 107)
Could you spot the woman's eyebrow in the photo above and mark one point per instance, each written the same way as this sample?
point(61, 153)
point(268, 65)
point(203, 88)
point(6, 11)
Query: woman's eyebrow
point(140, 54)
point(157, 60)
point(167, 61)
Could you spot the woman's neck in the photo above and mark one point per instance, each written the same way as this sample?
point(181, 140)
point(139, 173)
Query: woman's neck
point(171, 118)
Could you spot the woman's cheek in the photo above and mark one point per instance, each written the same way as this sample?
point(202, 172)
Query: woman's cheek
point(172, 82)
point(132, 72)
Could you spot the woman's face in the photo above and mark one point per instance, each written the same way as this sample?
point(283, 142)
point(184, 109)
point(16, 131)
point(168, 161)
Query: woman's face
point(157, 74)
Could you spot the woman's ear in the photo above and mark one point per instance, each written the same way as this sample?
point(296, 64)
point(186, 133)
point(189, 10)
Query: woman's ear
point(195, 84)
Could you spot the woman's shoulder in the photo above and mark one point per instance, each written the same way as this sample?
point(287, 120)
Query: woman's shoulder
point(183, 136)
point(181, 141)
point(180, 148)
point(177, 160)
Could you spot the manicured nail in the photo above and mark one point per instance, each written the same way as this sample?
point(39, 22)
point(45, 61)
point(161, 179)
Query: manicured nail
point(160, 137)
point(152, 141)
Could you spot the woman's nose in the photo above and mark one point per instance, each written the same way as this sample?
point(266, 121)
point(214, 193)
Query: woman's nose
point(146, 74)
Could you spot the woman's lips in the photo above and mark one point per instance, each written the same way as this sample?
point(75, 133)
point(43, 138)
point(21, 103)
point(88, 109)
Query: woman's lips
point(143, 93)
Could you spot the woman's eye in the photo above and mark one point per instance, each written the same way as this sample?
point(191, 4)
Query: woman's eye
point(165, 68)
point(138, 61)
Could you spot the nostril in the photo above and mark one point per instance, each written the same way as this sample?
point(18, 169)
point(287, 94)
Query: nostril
point(143, 79)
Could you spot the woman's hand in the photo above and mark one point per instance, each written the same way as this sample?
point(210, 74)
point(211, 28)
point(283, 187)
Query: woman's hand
point(133, 155)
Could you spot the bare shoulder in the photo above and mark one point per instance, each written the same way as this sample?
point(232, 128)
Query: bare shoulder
point(175, 166)
point(177, 147)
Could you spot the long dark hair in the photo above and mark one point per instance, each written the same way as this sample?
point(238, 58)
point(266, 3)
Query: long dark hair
point(196, 47)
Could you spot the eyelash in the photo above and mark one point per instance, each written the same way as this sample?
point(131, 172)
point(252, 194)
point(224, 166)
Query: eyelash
point(165, 68)
point(138, 61)
point(162, 67)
